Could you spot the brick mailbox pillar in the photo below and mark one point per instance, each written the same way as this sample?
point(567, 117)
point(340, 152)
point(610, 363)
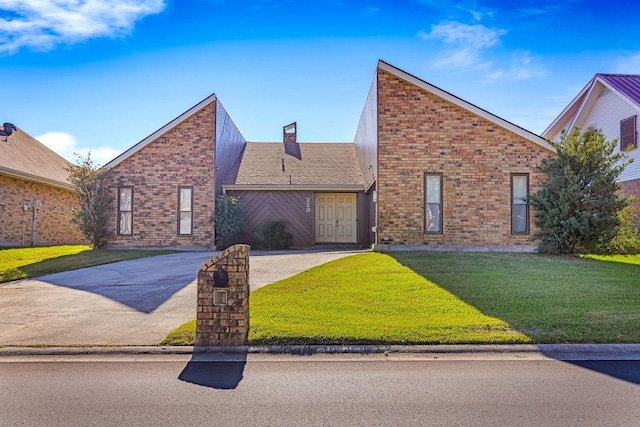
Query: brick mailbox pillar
point(223, 306)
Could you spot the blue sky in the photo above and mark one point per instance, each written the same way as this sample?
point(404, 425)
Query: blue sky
point(104, 74)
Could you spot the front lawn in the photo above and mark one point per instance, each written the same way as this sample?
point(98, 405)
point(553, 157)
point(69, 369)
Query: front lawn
point(447, 298)
point(21, 263)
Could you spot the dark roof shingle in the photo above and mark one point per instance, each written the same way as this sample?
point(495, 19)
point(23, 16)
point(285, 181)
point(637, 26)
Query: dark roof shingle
point(321, 164)
point(25, 157)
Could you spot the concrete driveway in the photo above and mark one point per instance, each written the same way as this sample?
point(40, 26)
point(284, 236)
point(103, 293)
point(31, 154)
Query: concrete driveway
point(134, 302)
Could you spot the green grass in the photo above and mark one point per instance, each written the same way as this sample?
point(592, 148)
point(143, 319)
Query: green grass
point(627, 259)
point(182, 335)
point(549, 299)
point(446, 298)
point(368, 298)
point(21, 263)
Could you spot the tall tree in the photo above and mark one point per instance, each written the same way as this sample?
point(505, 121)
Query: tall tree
point(92, 186)
point(577, 209)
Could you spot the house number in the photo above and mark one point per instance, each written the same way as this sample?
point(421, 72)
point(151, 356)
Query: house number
point(308, 204)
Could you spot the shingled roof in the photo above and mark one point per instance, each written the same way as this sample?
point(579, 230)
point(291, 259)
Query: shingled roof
point(322, 166)
point(24, 157)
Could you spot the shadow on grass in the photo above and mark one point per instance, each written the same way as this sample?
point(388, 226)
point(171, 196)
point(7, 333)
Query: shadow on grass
point(219, 371)
point(550, 299)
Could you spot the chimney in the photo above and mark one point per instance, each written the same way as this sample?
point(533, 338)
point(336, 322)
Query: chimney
point(290, 140)
point(289, 134)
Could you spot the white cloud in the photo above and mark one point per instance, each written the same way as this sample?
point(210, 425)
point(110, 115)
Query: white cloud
point(461, 58)
point(66, 145)
point(523, 67)
point(467, 43)
point(43, 24)
point(476, 36)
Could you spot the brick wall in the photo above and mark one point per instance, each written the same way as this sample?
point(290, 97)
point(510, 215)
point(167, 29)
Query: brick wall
point(183, 156)
point(632, 187)
point(420, 132)
point(53, 222)
point(222, 325)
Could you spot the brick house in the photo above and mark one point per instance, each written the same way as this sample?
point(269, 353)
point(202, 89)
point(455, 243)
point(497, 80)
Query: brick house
point(36, 199)
point(166, 184)
point(426, 170)
point(443, 173)
point(611, 103)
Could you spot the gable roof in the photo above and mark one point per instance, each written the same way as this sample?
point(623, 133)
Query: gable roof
point(329, 166)
point(626, 86)
point(164, 129)
point(24, 157)
point(530, 136)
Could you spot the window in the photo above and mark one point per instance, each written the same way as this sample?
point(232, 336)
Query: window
point(185, 211)
point(628, 135)
point(433, 203)
point(519, 204)
point(125, 211)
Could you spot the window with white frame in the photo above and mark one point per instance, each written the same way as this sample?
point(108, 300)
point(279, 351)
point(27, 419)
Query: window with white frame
point(185, 211)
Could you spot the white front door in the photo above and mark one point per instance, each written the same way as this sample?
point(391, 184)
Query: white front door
point(336, 217)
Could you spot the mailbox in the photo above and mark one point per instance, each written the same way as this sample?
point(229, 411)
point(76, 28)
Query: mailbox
point(221, 278)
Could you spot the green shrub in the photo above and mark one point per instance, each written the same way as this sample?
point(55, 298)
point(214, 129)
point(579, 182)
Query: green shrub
point(273, 235)
point(627, 238)
point(577, 208)
point(95, 201)
point(229, 221)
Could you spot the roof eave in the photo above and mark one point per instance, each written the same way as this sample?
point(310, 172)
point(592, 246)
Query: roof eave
point(35, 178)
point(551, 129)
point(166, 128)
point(622, 95)
point(293, 187)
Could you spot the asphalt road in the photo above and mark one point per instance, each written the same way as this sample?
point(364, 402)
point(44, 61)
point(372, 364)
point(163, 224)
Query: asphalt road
point(316, 390)
point(134, 302)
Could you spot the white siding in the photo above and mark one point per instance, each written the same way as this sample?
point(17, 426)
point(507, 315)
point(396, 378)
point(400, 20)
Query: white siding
point(606, 114)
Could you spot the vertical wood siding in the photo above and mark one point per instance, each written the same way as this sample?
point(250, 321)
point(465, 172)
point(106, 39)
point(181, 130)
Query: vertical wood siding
point(366, 139)
point(228, 147)
point(288, 206)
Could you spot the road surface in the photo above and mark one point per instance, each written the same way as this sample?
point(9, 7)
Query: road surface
point(265, 390)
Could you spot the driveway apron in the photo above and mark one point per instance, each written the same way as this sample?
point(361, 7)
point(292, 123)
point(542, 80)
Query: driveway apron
point(135, 302)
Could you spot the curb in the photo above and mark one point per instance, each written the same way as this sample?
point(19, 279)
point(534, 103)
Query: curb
point(551, 351)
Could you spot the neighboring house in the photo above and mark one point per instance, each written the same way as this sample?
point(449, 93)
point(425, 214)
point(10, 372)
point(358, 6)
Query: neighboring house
point(36, 199)
point(426, 170)
point(610, 102)
point(443, 173)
